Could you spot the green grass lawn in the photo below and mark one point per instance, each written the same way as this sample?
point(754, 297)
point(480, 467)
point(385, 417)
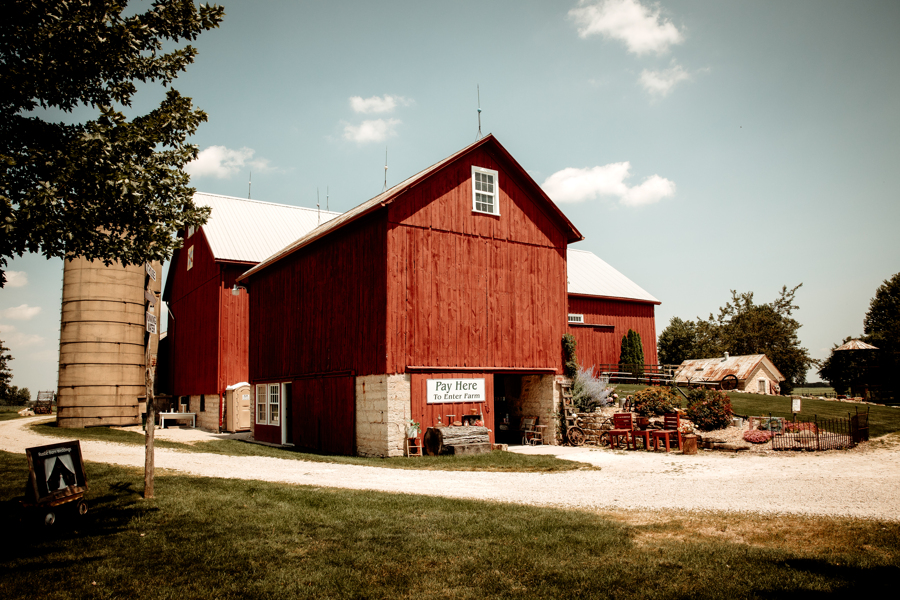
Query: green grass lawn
point(223, 539)
point(8, 413)
point(813, 391)
point(494, 461)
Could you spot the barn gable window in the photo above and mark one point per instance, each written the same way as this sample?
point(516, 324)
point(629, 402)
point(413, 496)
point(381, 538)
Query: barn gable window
point(190, 262)
point(485, 191)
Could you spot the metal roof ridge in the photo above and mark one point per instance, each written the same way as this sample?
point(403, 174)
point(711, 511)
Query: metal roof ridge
point(266, 203)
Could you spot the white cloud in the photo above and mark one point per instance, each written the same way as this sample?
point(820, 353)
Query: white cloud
point(660, 83)
point(16, 279)
point(377, 104)
point(376, 130)
point(578, 185)
point(222, 162)
point(20, 313)
point(640, 27)
point(17, 339)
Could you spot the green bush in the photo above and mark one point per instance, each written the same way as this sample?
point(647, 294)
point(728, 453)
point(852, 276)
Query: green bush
point(708, 410)
point(571, 359)
point(655, 400)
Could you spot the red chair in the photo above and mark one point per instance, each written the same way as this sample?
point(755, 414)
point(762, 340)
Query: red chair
point(671, 425)
point(622, 427)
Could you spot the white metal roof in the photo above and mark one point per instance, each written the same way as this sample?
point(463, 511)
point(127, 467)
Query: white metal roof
point(245, 230)
point(592, 276)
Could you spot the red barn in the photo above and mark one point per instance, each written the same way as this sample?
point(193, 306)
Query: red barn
point(442, 296)
point(603, 306)
point(207, 330)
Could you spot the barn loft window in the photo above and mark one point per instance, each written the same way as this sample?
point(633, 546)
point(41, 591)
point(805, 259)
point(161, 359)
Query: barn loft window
point(190, 263)
point(484, 191)
point(576, 318)
point(190, 231)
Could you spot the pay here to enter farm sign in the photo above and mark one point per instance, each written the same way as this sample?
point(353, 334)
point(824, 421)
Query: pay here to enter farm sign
point(455, 390)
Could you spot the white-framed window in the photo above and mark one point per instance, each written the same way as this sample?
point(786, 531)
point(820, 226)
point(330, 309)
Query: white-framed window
point(190, 263)
point(274, 403)
point(485, 191)
point(190, 231)
point(573, 318)
point(262, 396)
point(268, 403)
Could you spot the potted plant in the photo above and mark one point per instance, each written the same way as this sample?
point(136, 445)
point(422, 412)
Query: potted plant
point(688, 439)
point(412, 429)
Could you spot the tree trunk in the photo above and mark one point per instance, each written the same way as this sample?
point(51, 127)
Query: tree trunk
point(149, 466)
point(438, 440)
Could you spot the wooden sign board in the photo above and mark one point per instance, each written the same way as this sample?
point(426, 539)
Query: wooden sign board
point(55, 472)
point(795, 405)
point(440, 391)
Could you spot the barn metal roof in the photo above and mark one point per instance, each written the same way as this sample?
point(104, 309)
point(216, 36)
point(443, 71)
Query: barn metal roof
point(715, 369)
point(386, 197)
point(243, 230)
point(589, 275)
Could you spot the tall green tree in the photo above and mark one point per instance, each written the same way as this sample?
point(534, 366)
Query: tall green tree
point(744, 327)
point(5, 371)
point(109, 188)
point(631, 354)
point(677, 341)
point(882, 328)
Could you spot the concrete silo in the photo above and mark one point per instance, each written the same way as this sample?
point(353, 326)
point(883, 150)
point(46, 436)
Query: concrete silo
point(103, 342)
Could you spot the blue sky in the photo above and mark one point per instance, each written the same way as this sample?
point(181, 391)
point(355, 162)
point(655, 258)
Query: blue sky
point(700, 147)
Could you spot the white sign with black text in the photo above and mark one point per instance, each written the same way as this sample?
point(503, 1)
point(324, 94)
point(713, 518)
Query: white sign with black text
point(151, 322)
point(439, 391)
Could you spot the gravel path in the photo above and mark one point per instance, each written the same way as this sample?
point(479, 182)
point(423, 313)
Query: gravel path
point(861, 483)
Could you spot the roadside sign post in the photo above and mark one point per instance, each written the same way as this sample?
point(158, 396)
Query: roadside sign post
point(149, 466)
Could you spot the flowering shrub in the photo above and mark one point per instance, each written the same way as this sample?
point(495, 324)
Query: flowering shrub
point(654, 400)
point(756, 436)
point(589, 392)
point(708, 410)
point(798, 427)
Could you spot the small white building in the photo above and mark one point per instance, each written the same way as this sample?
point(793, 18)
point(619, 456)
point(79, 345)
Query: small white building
point(755, 373)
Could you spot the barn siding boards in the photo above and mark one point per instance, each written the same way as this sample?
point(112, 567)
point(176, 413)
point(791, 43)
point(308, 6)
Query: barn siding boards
point(194, 303)
point(322, 309)
point(601, 345)
point(234, 327)
point(427, 414)
point(469, 289)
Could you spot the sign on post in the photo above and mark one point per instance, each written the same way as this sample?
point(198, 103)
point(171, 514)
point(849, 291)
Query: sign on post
point(55, 471)
point(440, 391)
point(795, 405)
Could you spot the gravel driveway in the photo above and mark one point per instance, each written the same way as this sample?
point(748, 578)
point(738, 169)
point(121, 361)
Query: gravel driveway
point(860, 483)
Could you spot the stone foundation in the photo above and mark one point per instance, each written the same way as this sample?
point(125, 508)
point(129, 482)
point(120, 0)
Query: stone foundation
point(540, 397)
point(382, 410)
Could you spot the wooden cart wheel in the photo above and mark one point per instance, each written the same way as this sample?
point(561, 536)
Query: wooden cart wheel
point(729, 382)
point(82, 508)
point(575, 435)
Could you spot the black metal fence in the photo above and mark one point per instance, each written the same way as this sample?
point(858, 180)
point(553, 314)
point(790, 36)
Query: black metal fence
point(820, 434)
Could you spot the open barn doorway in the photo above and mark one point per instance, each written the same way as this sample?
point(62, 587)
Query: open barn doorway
point(507, 409)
